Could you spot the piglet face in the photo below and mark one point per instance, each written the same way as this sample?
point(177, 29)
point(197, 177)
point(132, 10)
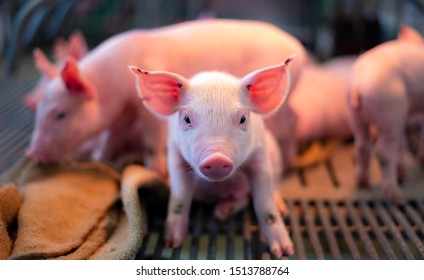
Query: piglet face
point(214, 132)
point(211, 115)
point(63, 117)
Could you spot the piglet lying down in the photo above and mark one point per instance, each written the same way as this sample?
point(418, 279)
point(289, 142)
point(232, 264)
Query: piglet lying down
point(218, 147)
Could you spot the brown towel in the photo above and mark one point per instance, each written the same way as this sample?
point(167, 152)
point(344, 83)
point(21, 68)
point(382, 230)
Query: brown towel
point(76, 211)
point(10, 200)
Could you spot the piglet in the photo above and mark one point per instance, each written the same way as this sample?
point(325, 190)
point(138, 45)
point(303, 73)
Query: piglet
point(319, 101)
point(218, 147)
point(96, 96)
point(75, 46)
point(386, 88)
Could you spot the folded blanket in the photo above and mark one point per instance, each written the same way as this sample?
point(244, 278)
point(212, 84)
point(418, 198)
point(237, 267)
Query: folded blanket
point(75, 210)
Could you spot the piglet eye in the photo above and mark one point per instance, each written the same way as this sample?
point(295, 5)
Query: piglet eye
point(61, 115)
point(242, 119)
point(187, 119)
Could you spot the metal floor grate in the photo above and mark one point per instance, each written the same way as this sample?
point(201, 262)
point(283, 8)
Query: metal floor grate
point(320, 229)
point(329, 218)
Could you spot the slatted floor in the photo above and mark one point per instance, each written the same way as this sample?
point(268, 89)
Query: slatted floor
point(329, 218)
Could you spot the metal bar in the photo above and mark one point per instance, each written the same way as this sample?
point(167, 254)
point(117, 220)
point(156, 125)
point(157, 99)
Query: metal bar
point(157, 254)
point(329, 234)
point(230, 225)
point(141, 253)
point(420, 207)
point(197, 231)
point(310, 226)
point(345, 232)
point(295, 229)
point(176, 253)
point(372, 220)
point(402, 220)
point(369, 247)
point(393, 230)
point(256, 243)
point(213, 235)
point(13, 137)
point(247, 235)
point(13, 114)
point(415, 217)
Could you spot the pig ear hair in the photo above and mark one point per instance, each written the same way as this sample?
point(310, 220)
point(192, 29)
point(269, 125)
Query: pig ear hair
point(268, 87)
point(409, 34)
point(73, 81)
point(43, 64)
point(159, 90)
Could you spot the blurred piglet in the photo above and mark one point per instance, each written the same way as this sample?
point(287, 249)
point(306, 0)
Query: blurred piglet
point(75, 46)
point(386, 89)
point(218, 147)
point(319, 105)
point(98, 96)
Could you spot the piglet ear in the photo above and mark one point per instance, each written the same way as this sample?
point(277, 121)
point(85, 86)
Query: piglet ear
point(44, 65)
point(268, 87)
point(73, 80)
point(159, 90)
point(77, 45)
point(409, 34)
point(60, 50)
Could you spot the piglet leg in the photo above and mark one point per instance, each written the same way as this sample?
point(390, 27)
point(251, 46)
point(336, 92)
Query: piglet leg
point(387, 155)
point(180, 201)
point(267, 213)
point(362, 147)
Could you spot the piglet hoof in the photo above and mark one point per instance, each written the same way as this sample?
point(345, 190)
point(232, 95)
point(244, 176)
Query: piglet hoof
point(401, 174)
point(279, 240)
point(176, 230)
point(362, 182)
point(393, 193)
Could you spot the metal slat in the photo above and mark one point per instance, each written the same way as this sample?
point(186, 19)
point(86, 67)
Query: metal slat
point(402, 220)
point(345, 232)
point(413, 215)
point(176, 253)
point(230, 227)
point(312, 232)
point(247, 235)
point(372, 220)
point(369, 247)
point(141, 253)
point(197, 231)
point(213, 236)
point(393, 230)
point(329, 233)
point(295, 231)
point(157, 254)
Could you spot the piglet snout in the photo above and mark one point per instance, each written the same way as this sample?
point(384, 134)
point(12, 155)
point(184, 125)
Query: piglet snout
point(35, 154)
point(217, 166)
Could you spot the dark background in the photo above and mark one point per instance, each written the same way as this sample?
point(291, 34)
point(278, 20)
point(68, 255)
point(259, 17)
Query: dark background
point(326, 27)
